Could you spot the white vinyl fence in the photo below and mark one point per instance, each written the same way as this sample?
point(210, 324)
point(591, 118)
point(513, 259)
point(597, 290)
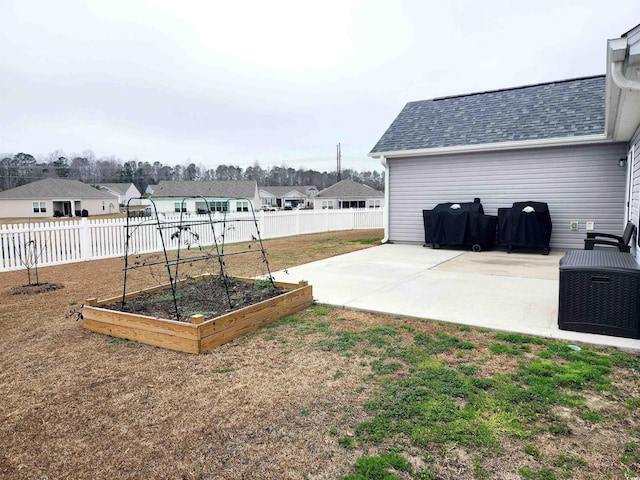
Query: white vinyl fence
point(55, 243)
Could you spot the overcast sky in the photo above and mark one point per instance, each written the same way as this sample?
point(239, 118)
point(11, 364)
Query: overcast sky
point(277, 81)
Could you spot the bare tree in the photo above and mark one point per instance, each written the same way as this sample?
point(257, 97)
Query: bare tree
point(29, 251)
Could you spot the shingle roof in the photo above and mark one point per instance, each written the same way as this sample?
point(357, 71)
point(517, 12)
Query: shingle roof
point(213, 188)
point(350, 189)
point(282, 191)
point(120, 188)
point(567, 108)
point(55, 188)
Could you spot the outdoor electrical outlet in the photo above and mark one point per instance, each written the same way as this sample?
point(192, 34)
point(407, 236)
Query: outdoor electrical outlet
point(574, 225)
point(591, 225)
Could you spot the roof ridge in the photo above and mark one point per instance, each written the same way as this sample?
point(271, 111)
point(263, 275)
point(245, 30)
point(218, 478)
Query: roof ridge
point(521, 87)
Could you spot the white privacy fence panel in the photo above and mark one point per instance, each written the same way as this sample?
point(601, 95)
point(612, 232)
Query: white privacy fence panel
point(54, 243)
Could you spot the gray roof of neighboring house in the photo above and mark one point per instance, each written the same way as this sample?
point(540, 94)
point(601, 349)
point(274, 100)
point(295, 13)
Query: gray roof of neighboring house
point(121, 188)
point(350, 189)
point(282, 191)
point(213, 188)
point(55, 188)
point(567, 108)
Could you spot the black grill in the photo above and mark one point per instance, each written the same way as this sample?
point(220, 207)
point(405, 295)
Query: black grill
point(459, 225)
point(526, 225)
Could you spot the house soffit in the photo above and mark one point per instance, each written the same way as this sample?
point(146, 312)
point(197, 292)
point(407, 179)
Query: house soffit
point(623, 94)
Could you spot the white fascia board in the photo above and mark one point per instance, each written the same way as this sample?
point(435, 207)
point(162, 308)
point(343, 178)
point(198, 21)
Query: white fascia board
point(494, 147)
point(617, 49)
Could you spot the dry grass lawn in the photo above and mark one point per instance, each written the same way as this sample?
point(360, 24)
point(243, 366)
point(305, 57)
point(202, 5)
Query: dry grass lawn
point(282, 403)
point(76, 404)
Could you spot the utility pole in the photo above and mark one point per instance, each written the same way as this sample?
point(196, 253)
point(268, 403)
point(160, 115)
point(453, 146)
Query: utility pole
point(339, 166)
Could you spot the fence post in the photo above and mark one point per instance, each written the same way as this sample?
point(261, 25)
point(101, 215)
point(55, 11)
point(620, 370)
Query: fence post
point(85, 239)
point(261, 224)
point(297, 222)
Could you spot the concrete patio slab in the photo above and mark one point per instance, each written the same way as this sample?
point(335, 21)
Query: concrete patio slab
point(510, 292)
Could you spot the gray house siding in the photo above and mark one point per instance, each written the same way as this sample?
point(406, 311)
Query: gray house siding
point(580, 183)
point(634, 196)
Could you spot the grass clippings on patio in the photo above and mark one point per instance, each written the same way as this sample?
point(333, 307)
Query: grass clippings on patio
point(324, 394)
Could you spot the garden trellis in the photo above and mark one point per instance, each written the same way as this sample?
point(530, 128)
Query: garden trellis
point(198, 243)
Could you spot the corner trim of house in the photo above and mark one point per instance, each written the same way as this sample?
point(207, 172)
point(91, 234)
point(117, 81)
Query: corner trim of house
point(385, 213)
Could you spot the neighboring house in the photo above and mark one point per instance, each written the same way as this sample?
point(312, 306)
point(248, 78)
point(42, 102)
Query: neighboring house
point(565, 143)
point(122, 191)
point(192, 197)
point(348, 194)
point(288, 196)
point(55, 197)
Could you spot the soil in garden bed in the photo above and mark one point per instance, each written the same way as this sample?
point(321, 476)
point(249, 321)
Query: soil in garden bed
point(206, 297)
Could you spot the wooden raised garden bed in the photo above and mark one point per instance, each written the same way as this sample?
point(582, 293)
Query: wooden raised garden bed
point(199, 335)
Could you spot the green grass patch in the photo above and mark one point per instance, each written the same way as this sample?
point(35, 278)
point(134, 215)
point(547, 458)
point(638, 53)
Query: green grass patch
point(340, 341)
point(479, 472)
point(442, 343)
point(346, 442)
point(122, 342)
point(432, 405)
point(320, 311)
point(631, 453)
point(542, 474)
point(293, 320)
point(625, 360)
point(532, 451)
point(519, 339)
point(591, 416)
point(408, 328)
point(378, 468)
point(366, 241)
point(323, 327)
point(468, 370)
point(382, 336)
point(502, 349)
point(567, 463)
point(381, 368)
point(419, 400)
point(632, 403)
point(223, 370)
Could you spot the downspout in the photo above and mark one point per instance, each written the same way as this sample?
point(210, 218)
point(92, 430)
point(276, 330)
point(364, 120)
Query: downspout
point(385, 213)
point(620, 80)
point(624, 83)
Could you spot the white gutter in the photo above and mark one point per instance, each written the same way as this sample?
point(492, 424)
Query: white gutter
point(620, 80)
point(493, 147)
point(385, 212)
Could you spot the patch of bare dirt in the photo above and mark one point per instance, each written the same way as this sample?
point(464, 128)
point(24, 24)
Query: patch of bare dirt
point(36, 288)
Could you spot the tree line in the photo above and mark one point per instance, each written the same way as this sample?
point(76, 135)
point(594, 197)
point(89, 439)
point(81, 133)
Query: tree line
point(22, 168)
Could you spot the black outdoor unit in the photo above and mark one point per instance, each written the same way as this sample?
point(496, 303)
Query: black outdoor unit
point(525, 224)
point(600, 293)
point(459, 225)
